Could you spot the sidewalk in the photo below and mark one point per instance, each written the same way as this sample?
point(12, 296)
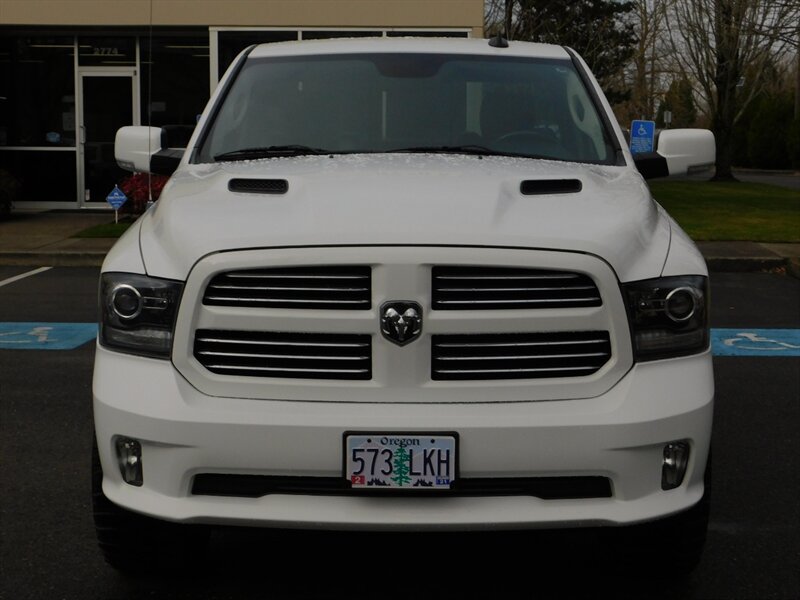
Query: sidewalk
point(45, 239)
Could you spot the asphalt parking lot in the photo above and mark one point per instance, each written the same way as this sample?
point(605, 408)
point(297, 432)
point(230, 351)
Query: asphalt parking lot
point(48, 549)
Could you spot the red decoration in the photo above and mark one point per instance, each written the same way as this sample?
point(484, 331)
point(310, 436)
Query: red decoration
point(135, 187)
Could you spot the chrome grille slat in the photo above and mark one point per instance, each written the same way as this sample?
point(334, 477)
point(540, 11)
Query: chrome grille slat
point(522, 344)
point(326, 287)
point(239, 299)
point(502, 371)
point(507, 289)
point(288, 355)
point(285, 289)
point(524, 357)
point(518, 355)
point(486, 288)
point(555, 275)
point(524, 301)
point(281, 356)
point(289, 276)
point(269, 343)
point(304, 372)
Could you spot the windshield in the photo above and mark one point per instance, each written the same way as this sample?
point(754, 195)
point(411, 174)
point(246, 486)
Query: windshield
point(359, 103)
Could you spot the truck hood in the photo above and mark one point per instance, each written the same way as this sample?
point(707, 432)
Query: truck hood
point(408, 199)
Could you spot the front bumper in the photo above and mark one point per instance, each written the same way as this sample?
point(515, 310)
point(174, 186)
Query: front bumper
point(619, 434)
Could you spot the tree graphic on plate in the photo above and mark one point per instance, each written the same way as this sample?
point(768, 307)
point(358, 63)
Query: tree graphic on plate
point(400, 467)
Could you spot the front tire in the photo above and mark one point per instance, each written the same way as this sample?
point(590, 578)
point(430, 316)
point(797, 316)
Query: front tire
point(133, 543)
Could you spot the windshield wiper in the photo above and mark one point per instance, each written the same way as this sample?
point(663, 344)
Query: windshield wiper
point(270, 152)
point(464, 149)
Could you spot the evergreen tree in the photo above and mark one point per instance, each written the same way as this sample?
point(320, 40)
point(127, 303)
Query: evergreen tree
point(680, 101)
point(768, 145)
point(400, 467)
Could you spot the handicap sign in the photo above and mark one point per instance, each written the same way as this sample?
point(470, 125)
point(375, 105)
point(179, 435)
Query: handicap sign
point(643, 135)
point(755, 342)
point(116, 198)
point(45, 336)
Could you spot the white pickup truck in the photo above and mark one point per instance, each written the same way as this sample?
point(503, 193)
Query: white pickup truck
point(404, 284)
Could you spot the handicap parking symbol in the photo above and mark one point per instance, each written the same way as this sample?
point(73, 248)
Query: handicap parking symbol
point(643, 135)
point(755, 342)
point(45, 336)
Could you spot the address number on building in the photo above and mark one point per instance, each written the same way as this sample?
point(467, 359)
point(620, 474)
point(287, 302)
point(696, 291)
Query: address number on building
point(400, 461)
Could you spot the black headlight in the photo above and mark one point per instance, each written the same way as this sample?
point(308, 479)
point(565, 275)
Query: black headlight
point(137, 313)
point(668, 316)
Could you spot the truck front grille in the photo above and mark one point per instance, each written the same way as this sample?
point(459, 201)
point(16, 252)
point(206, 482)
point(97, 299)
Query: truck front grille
point(322, 287)
point(519, 355)
point(483, 288)
point(278, 354)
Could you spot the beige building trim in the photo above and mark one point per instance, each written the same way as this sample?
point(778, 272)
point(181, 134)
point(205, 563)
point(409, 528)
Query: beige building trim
point(248, 13)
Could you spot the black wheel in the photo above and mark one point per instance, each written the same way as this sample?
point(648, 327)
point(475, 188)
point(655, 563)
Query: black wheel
point(134, 543)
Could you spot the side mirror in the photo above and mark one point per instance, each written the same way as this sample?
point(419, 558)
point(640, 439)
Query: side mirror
point(146, 150)
point(678, 152)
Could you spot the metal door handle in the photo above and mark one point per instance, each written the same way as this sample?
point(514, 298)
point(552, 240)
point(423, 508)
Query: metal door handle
point(83, 134)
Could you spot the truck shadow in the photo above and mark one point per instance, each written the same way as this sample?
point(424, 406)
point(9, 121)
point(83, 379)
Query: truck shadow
point(246, 563)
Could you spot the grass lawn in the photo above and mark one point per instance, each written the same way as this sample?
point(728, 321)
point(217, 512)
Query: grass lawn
point(105, 230)
point(710, 210)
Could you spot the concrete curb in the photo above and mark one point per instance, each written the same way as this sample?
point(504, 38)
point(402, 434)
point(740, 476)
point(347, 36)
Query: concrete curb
point(793, 267)
point(744, 264)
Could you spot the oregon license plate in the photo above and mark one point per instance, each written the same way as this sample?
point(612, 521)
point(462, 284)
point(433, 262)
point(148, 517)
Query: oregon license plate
point(400, 460)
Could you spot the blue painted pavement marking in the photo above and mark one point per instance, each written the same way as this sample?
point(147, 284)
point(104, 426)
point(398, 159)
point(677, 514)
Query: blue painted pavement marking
point(45, 336)
point(755, 342)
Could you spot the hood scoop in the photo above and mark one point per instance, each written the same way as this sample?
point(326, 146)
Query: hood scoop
point(537, 187)
point(259, 186)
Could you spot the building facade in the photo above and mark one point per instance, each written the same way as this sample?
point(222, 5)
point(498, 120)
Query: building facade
point(73, 71)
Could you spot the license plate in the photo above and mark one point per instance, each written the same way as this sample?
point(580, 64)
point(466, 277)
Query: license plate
point(400, 461)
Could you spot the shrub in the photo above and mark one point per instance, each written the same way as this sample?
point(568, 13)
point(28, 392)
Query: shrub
point(137, 188)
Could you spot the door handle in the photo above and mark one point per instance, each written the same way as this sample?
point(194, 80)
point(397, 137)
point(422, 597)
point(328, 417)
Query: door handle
point(83, 134)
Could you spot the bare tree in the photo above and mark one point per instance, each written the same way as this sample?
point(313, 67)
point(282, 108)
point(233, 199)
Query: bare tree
point(720, 44)
point(597, 29)
point(648, 74)
point(501, 16)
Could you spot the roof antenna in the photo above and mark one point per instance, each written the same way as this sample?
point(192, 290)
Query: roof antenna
point(498, 41)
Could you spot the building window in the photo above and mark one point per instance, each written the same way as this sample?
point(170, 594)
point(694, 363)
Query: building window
point(427, 33)
point(324, 34)
point(37, 91)
point(39, 175)
point(174, 81)
point(117, 51)
point(231, 43)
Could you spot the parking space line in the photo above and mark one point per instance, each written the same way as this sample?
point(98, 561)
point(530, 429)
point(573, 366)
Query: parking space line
point(24, 275)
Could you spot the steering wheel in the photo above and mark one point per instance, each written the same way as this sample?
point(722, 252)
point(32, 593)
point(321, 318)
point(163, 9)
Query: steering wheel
point(534, 141)
point(528, 135)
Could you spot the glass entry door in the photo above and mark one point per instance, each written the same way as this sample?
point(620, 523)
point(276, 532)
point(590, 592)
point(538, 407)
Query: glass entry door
point(109, 100)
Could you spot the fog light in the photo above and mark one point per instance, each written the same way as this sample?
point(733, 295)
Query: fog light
point(676, 459)
point(129, 456)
